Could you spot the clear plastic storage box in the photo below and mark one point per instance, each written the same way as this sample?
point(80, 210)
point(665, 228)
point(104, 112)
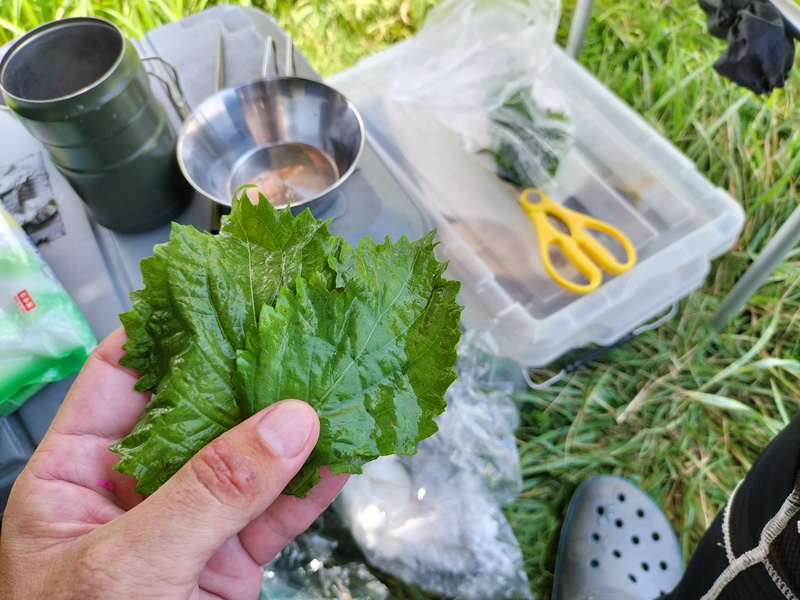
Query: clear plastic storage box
point(620, 170)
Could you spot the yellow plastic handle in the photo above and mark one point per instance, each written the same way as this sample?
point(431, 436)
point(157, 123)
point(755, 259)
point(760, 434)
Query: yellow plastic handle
point(581, 248)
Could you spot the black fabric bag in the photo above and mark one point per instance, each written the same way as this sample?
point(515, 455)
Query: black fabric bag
point(760, 42)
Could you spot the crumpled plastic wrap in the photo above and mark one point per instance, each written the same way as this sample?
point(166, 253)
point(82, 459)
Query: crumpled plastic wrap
point(475, 54)
point(529, 135)
point(435, 519)
point(307, 570)
point(476, 62)
point(43, 335)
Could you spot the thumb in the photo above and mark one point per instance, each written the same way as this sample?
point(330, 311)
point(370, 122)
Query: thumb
point(226, 485)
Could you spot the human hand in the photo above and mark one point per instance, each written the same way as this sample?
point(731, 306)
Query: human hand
point(74, 528)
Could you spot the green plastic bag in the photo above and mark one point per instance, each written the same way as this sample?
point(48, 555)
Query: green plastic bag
point(43, 335)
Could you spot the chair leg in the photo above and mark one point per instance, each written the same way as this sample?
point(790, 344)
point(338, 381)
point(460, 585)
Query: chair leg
point(577, 31)
point(772, 254)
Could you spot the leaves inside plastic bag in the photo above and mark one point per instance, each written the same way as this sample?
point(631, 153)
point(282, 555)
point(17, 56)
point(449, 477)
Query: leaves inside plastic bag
point(528, 140)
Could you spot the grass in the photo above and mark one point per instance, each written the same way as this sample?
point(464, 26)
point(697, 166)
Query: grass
point(332, 34)
point(681, 410)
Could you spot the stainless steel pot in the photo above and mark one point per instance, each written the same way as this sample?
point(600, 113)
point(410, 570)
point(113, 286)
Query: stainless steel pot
point(295, 139)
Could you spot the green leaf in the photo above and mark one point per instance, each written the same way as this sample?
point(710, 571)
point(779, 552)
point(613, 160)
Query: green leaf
point(375, 359)
point(275, 307)
point(528, 140)
point(202, 293)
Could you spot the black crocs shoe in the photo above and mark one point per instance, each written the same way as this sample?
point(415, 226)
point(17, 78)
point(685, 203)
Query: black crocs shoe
point(616, 544)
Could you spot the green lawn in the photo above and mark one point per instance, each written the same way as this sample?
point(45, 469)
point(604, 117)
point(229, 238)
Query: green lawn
point(680, 410)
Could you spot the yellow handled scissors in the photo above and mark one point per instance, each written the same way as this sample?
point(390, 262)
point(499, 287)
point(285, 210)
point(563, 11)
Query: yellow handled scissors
point(579, 246)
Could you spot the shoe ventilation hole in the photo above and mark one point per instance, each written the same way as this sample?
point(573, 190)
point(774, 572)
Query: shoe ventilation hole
point(663, 565)
point(618, 523)
point(617, 553)
point(594, 563)
point(632, 577)
point(640, 513)
point(595, 537)
point(600, 510)
point(621, 497)
point(635, 539)
point(656, 536)
point(645, 567)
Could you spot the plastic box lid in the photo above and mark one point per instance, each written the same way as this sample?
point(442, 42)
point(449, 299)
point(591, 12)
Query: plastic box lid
point(619, 170)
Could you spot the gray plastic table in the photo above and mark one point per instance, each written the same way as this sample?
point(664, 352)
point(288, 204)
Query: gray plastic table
point(99, 268)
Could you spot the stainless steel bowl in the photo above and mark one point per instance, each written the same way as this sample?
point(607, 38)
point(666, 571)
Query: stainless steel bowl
point(295, 139)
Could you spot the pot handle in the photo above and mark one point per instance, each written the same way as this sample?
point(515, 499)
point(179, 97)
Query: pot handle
point(288, 57)
point(167, 75)
point(269, 66)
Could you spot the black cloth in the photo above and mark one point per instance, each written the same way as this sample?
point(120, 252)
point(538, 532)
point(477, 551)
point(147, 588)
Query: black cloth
point(760, 42)
point(762, 493)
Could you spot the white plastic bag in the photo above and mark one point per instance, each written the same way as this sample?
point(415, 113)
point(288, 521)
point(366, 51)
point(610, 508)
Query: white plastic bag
point(474, 54)
point(435, 519)
point(528, 136)
point(476, 63)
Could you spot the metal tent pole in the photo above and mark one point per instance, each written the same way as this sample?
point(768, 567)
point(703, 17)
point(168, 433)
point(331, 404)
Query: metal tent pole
point(580, 22)
point(780, 244)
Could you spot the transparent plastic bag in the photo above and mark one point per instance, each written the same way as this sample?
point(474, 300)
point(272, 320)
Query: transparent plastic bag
point(528, 136)
point(476, 64)
point(310, 567)
point(43, 335)
point(435, 519)
point(475, 54)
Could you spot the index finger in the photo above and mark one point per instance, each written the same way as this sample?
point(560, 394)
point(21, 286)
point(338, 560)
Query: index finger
point(102, 401)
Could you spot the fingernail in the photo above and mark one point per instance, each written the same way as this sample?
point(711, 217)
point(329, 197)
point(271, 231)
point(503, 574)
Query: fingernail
point(286, 427)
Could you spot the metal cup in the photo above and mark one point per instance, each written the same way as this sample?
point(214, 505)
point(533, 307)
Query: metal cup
point(79, 87)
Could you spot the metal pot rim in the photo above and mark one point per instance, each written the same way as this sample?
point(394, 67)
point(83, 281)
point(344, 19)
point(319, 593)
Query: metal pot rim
point(67, 22)
point(254, 82)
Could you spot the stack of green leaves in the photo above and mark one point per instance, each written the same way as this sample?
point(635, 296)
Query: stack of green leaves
point(528, 140)
point(275, 307)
